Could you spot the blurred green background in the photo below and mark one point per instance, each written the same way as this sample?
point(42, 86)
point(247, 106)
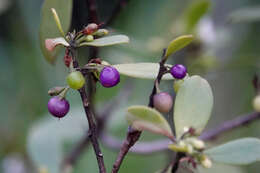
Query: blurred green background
point(226, 53)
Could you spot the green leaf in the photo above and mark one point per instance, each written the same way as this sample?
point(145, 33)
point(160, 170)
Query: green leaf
point(178, 43)
point(48, 27)
point(194, 12)
point(141, 70)
point(46, 138)
point(248, 14)
point(107, 41)
point(239, 152)
point(193, 105)
point(146, 118)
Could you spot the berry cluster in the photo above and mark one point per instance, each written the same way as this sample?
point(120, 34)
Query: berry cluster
point(58, 106)
point(162, 101)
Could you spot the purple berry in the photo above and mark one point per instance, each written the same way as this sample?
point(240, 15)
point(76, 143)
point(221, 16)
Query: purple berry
point(58, 107)
point(109, 77)
point(162, 102)
point(178, 71)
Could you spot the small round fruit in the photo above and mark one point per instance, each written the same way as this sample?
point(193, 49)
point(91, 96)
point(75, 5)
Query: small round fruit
point(58, 107)
point(162, 102)
point(256, 103)
point(178, 71)
point(109, 77)
point(75, 80)
point(89, 38)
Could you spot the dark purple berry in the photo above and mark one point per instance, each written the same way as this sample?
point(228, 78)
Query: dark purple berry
point(58, 107)
point(162, 102)
point(178, 71)
point(109, 77)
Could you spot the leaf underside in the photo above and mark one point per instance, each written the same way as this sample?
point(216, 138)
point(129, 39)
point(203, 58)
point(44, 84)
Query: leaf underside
point(239, 152)
point(146, 118)
point(193, 105)
point(141, 70)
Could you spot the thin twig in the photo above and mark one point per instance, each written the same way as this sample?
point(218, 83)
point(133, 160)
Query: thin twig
point(92, 133)
point(92, 11)
point(160, 145)
point(116, 11)
point(132, 134)
point(229, 125)
point(72, 157)
point(114, 143)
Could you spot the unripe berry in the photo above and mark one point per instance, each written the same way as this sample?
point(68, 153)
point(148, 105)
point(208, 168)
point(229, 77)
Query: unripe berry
point(89, 38)
point(58, 107)
point(162, 102)
point(90, 29)
point(109, 77)
point(256, 103)
point(75, 80)
point(178, 71)
point(101, 32)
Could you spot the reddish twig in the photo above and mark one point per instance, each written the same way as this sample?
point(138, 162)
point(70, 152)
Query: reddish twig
point(160, 145)
point(132, 134)
point(72, 157)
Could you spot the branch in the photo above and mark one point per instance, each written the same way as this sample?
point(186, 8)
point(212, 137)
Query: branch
point(116, 11)
point(92, 133)
point(92, 11)
point(79, 148)
point(229, 125)
point(132, 134)
point(139, 148)
point(160, 145)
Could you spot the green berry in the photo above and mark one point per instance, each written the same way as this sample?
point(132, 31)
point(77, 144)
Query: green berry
point(75, 80)
point(89, 38)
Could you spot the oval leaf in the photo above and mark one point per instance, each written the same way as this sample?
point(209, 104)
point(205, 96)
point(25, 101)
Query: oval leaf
point(195, 12)
point(107, 41)
point(45, 141)
point(178, 43)
point(48, 27)
point(146, 118)
point(141, 70)
point(240, 152)
point(193, 105)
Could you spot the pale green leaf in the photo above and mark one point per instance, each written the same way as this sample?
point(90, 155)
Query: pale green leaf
point(178, 43)
point(193, 105)
point(146, 118)
point(248, 14)
point(45, 141)
point(107, 41)
point(239, 152)
point(196, 10)
point(48, 27)
point(141, 70)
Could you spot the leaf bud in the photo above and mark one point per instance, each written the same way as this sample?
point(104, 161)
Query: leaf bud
point(206, 162)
